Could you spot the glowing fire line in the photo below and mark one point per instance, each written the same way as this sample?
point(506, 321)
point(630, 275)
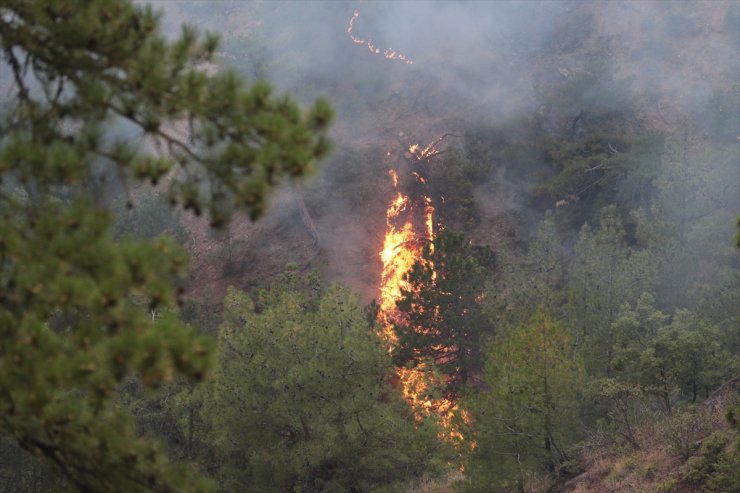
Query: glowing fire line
point(390, 53)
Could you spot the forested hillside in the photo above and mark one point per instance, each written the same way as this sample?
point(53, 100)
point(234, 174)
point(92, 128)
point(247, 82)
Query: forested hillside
point(391, 247)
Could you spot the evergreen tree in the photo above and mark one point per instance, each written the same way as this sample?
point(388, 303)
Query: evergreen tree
point(672, 358)
point(586, 133)
point(606, 274)
point(301, 401)
point(694, 211)
point(537, 279)
point(443, 312)
point(70, 331)
point(526, 418)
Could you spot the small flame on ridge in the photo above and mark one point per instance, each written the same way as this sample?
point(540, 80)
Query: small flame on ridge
point(390, 54)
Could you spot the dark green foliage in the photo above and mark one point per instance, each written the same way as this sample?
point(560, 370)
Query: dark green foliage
point(680, 357)
point(444, 298)
point(600, 168)
point(301, 400)
point(688, 355)
point(594, 154)
point(175, 415)
point(69, 328)
point(536, 279)
point(647, 360)
point(716, 467)
point(108, 60)
point(635, 185)
point(72, 323)
point(605, 275)
point(525, 417)
point(717, 306)
point(644, 297)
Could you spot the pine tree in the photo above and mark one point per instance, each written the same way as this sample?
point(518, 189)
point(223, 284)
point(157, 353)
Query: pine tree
point(537, 279)
point(83, 75)
point(606, 274)
point(678, 357)
point(526, 419)
point(443, 312)
point(301, 401)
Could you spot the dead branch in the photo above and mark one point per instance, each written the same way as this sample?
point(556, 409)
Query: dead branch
point(598, 166)
point(430, 156)
point(436, 142)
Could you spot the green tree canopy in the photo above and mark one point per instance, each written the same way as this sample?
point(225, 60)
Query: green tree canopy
point(606, 274)
point(82, 73)
point(678, 357)
point(536, 279)
point(525, 419)
point(302, 402)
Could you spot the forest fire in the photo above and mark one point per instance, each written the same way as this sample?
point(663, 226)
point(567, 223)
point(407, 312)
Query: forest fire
point(409, 227)
point(390, 53)
point(402, 246)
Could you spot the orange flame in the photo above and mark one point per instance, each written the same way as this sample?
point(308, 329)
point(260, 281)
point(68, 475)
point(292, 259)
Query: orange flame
point(390, 54)
point(394, 176)
point(400, 251)
point(407, 230)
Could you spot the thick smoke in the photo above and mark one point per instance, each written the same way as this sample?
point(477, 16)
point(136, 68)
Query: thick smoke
point(475, 64)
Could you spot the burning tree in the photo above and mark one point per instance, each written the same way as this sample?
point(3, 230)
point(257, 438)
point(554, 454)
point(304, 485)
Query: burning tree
point(420, 294)
point(442, 318)
point(409, 226)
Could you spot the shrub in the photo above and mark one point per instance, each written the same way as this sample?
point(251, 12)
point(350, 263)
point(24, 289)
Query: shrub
point(683, 431)
point(716, 466)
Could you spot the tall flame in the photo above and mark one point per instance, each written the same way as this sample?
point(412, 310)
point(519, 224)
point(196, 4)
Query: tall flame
point(390, 53)
point(409, 226)
point(401, 248)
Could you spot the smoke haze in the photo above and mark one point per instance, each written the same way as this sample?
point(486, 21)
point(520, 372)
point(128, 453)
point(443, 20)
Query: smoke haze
point(475, 65)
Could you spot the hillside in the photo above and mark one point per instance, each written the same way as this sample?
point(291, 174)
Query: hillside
point(387, 247)
point(693, 450)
